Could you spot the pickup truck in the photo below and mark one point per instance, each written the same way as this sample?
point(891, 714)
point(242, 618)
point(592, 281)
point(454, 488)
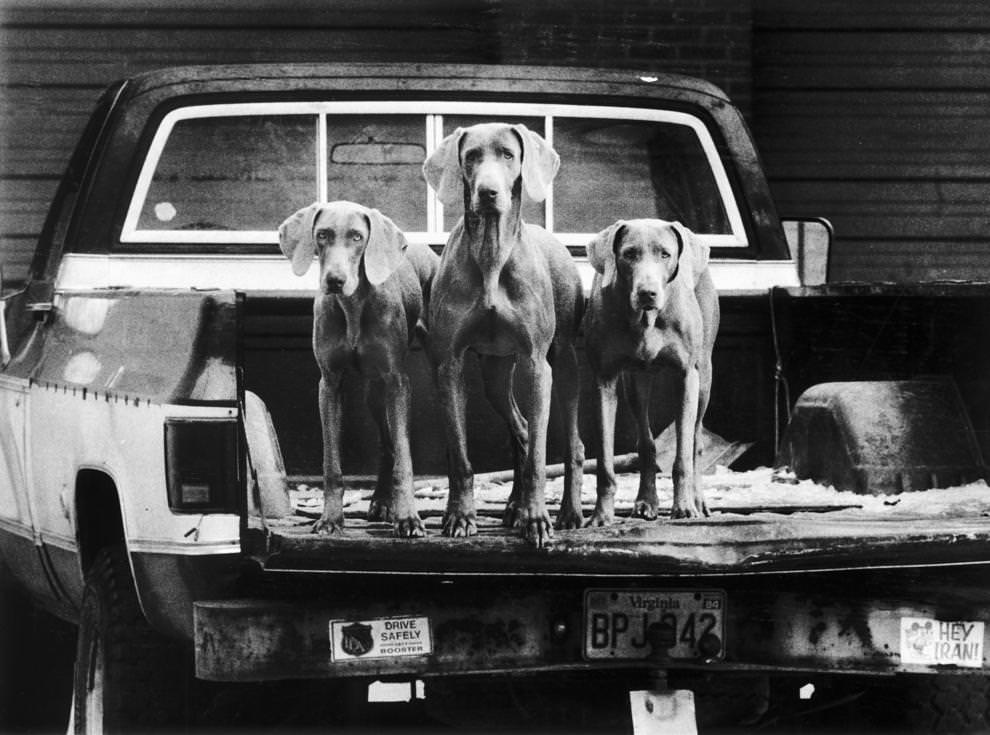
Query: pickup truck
point(160, 443)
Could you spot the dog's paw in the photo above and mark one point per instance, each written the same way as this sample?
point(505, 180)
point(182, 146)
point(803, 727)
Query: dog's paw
point(569, 519)
point(327, 526)
point(537, 529)
point(459, 525)
point(646, 510)
point(600, 518)
point(379, 511)
point(411, 527)
point(685, 510)
point(511, 517)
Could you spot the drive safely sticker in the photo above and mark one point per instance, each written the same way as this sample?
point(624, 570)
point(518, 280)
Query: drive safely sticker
point(379, 638)
point(936, 642)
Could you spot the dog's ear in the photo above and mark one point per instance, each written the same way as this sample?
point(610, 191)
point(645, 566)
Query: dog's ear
point(601, 251)
point(295, 238)
point(442, 170)
point(539, 163)
point(694, 253)
point(384, 251)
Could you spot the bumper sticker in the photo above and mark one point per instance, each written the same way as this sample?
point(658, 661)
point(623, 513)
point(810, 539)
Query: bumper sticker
point(379, 638)
point(940, 643)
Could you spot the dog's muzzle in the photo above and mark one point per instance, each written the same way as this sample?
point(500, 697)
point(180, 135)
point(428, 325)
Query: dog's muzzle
point(334, 284)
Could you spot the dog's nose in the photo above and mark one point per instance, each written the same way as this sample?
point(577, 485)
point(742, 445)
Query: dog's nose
point(487, 194)
point(647, 298)
point(335, 284)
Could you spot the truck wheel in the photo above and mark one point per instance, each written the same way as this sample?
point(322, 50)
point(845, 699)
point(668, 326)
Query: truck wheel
point(127, 677)
point(947, 703)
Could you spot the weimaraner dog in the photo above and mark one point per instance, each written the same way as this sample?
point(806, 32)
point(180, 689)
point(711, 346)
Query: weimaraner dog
point(509, 291)
point(373, 291)
point(653, 311)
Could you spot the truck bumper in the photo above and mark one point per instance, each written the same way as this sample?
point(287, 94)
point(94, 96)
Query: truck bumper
point(876, 622)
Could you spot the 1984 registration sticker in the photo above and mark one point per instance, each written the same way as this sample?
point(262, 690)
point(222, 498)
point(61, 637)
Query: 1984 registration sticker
point(632, 624)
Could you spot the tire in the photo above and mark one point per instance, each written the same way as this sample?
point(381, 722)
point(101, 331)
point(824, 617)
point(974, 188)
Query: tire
point(36, 654)
point(127, 677)
point(948, 704)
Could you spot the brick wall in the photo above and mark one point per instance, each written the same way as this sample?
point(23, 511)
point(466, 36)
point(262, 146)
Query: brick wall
point(704, 38)
point(54, 59)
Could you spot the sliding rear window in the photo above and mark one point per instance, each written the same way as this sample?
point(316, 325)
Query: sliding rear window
point(229, 174)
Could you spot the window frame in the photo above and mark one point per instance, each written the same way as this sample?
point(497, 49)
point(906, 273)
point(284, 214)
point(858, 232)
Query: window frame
point(433, 112)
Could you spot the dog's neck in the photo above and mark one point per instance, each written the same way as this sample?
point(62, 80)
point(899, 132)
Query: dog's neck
point(352, 306)
point(492, 237)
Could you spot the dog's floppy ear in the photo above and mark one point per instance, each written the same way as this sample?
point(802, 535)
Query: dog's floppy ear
point(601, 251)
point(442, 170)
point(384, 251)
point(539, 163)
point(694, 253)
point(295, 238)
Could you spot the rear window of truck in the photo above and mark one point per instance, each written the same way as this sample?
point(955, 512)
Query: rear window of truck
point(229, 174)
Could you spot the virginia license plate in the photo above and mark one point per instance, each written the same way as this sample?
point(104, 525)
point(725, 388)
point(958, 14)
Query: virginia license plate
point(632, 624)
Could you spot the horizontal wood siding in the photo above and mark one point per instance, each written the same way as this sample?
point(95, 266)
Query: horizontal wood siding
point(55, 58)
point(876, 116)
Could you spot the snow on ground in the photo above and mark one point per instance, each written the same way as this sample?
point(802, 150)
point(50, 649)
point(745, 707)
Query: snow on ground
point(763, 488)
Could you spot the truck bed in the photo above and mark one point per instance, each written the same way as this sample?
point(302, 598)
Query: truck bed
point(762, 521)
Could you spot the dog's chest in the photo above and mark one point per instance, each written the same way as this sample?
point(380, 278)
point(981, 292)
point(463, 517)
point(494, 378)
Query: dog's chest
point(355, 336)
point(649, 346)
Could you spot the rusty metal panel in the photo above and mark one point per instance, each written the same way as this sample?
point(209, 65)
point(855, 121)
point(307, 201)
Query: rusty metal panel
point(867, 622)
point(254, 640)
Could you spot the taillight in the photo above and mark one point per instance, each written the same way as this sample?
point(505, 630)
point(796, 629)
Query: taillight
point(201, 465)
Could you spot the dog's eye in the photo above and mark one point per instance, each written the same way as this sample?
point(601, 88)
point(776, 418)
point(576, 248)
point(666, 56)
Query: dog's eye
point(357, 237)
point(508, 155)
point(630, 254)
point(321, 236)
point(665, 255)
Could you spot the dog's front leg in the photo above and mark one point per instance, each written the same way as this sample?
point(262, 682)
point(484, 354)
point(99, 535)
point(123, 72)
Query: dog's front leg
point(567, 389)
point(537, 383)
point(332, 518)
point(460, 518)
point(647, 503)
point(608, 399)
point(497, 373)
point(406, 522)
point(684, 476)
point(380, 507)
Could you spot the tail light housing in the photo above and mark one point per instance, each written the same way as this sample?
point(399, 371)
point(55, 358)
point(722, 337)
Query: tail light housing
point(202, 465)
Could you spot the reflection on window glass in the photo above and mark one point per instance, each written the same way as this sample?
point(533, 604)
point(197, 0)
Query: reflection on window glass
point(531, 211)
point(233, 173)
point(376, 161)
point(626, 169)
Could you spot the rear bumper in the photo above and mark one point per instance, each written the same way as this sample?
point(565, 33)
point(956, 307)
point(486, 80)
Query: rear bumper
point(848, 622)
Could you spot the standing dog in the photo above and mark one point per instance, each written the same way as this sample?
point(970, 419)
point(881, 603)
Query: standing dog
point(653, 311)
point(373, 291)
point(510, 292)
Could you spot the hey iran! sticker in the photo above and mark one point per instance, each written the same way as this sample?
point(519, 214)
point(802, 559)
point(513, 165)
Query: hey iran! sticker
point(940, 643)
point(379, 638)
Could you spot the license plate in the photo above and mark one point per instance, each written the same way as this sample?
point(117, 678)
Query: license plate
point(638, 624)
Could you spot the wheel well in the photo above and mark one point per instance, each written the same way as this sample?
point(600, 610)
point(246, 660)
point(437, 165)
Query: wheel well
point(98, 519)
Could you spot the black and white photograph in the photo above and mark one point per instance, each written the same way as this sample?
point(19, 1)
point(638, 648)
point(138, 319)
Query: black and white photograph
point(494, 366)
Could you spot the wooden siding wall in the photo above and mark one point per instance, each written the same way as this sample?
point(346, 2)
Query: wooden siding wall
point(55, 57)
point(876, 115)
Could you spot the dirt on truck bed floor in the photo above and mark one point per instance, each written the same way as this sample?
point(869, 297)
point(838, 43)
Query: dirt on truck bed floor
point(761, 520)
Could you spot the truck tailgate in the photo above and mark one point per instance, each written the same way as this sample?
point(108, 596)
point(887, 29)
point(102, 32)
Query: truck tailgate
point(759, 523)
